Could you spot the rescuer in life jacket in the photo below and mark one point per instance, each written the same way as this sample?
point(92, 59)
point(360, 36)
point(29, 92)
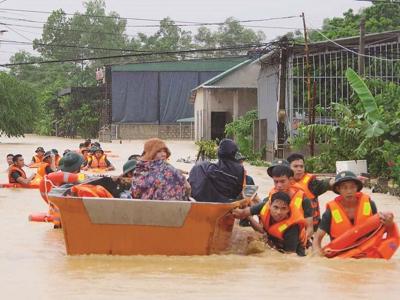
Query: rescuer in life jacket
point(38, 157)
point(283, 227)
point(311, 186)
point(48, 164)
point(283, 182)
point(70, 165)
point(352, 207)
point(98, 160)
point(15, 172)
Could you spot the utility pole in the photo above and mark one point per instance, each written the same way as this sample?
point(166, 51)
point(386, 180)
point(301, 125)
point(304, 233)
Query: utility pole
point(361, 50)
point(308, 72)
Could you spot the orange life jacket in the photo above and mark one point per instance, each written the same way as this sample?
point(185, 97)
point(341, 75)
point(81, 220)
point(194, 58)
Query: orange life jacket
point(57, 179)
point(37, 159)
point(98, 163)
point(42, 169)
point(13, 169)
point(52, 180)
point(277, 230)
point(340, 222)
point(303, 183)
point(370, 239)
point(297, 196)
point(88, 190)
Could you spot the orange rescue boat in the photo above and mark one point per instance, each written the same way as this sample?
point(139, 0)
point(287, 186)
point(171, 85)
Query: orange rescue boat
point(144, 227)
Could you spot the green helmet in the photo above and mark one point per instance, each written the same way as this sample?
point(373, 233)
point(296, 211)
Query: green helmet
point(346, 176)
point(277, 162)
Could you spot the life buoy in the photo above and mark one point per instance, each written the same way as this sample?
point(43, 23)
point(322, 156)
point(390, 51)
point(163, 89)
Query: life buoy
point(57, 179)
point(370, 239)
point(88, 190)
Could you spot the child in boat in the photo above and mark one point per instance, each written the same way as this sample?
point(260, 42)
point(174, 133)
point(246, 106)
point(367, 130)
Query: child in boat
point(352, 207)
point(283, 226)
point(15, 172)
point(125, 180)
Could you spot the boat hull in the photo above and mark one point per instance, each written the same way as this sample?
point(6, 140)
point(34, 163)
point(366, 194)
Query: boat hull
point(144, 227)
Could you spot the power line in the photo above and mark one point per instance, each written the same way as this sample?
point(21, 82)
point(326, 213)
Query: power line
point(150, 20)
point(69, 46)
point(138, 55)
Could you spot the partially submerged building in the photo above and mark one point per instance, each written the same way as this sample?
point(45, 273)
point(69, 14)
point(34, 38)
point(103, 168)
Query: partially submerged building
point(151, 99)
point(224, 98)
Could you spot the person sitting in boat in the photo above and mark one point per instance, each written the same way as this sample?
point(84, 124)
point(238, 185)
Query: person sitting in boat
point(125, 180)
point(15, 172)
point(154, 178)
point(98, 161)
point(9, 159)
point(282, 176)
point(38, 157)
point(49, 164)
point(221, 181)
point(352, 207)
point(283, 226)
point(70, 165)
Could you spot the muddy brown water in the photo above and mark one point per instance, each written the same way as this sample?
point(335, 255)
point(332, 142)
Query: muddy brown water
point(33, 262)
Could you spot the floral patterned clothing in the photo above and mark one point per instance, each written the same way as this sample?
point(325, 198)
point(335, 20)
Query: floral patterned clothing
point(157, 180)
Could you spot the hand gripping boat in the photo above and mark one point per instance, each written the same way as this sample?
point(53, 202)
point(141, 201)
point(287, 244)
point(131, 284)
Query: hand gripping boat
point(144, 227)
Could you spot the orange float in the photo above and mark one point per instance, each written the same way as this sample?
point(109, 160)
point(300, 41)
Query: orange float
point(370, 239)
point(40, 217)
point(34, 184)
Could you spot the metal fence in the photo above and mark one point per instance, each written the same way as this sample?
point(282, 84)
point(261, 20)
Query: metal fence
point(329, 82)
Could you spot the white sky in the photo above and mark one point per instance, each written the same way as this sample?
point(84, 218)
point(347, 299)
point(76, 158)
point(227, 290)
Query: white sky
point(185, 10)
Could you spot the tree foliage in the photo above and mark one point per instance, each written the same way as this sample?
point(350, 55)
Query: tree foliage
point(379, 17)
point(18, 107)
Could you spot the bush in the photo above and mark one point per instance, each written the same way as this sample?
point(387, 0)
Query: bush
point(207, 149)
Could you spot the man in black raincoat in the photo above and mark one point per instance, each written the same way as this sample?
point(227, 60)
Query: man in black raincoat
point(221, 181)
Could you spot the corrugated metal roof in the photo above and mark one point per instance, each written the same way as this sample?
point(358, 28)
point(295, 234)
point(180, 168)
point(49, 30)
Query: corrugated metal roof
point(198, 65)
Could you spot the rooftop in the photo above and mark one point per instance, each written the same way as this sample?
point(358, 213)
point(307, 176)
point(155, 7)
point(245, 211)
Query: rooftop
point(194, 65)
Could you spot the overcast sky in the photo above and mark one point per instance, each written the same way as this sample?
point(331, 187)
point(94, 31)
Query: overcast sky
point(185, 10)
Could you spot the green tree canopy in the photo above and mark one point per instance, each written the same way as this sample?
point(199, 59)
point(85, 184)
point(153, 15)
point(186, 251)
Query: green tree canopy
point(18, 108)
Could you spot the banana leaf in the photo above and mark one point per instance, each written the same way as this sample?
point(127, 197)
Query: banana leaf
point(367, 99)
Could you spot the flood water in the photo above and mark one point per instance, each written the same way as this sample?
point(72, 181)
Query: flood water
point(34, 264)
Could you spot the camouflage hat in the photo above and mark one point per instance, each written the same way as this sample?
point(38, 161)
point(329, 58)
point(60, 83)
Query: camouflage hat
point(40, 149)
point(346, 176)
point(277, 162)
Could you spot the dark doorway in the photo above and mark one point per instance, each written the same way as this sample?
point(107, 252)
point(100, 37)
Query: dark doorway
point(218, 122)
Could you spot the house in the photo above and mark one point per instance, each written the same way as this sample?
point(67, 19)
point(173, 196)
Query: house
point(283, 102)
point(148, 99)
point(224, 98)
